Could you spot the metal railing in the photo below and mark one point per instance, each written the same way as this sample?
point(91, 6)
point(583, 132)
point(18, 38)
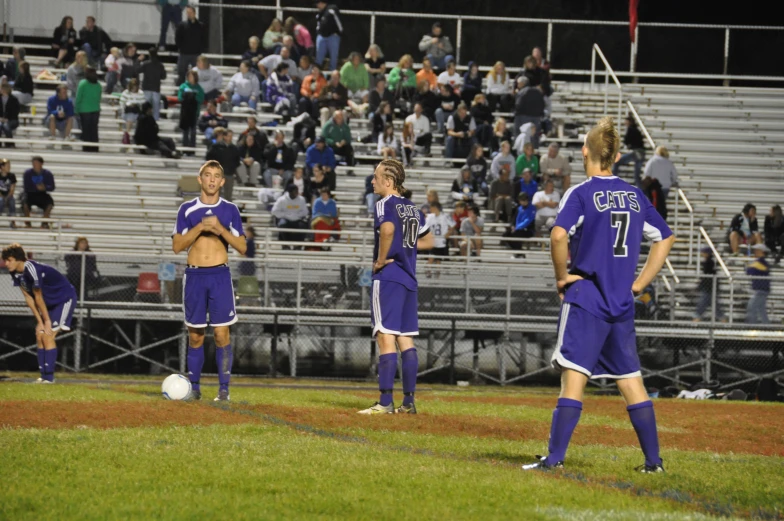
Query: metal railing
point(608, 72)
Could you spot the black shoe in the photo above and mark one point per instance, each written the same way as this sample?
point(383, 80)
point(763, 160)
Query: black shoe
point(542, 465)
point(195, 395)
point(650, 469)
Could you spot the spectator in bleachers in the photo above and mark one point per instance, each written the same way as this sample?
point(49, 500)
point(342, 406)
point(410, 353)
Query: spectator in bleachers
point(210, 78)
point(9, 113)
point(633, 140)
point(210, 120)
point(288, 43)
point(317, 182)
point(407, 143)
point(756, 309)
point(304, 69)
point(499, 89)
point(255, 131)
point(302, 38)
point(556, 167)
point(448, 102)
point(73, 266)
point(370, 195)
point(535, 75)
point(191, 97)
point(329, 28)
point(280, 159)
point(153, 73)
point(426, 74)
point(11, 69)
point(429, 100)
point(375, 64)
point(191, 40)
point(504, 157)
point(354, 77)
point(478, 164)
point(252, 157)
point(254, 53)
point(472, 83)
point(130, 64)
point(465, 187)
point(38, 182)
point(744, 229)
point(338, 136)
point(131, 101)
point(660, 167)
point(541, 61)
point(325, 217)
point(301, 181)
point(59, 114)
point(171, 14)
point(653, 191)
point(88, 107)
point(227, 154)
point(291, 213)
point(546, 203)
point(402, 78)
point(459, 214)
point(705, 286)
point(451, 77)
point(471, 228)
point(442, 227)
point(248, 268)
point(523, 222)
point(379, 94)
point(421, 124)
point(281, 92)
point(112, 67)
point(460, 129)
point(243, 87)
point(23, 86)
point(75, 73)
point(526, 183)
point(774, 232)
point(95, 42)
point(387, 142)
point(437, 47)
point(501, 133)
point(64, 43)
point(380, 119)
point(147, 134)
point(310, 92)
point(501, 192)
point(529, 107)
point(334, 96)
point(7, 190)
point(269, 64)
point(527, 160)
point(431, 197)
point(483, 117)
point(525, 136)
point(273, 37)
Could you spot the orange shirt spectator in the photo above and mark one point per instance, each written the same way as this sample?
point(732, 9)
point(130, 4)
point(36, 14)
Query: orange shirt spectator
point(312, 84)
point(427, 74)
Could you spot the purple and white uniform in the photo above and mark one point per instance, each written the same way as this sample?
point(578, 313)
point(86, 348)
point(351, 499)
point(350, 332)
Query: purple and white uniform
point(208, 293)
point(394, 309)
point(59, 295)
point(606, 219)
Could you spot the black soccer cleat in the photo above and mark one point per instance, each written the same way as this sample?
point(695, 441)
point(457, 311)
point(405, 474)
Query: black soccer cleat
point(650, 469)
point(195, 395)
point(542, 464)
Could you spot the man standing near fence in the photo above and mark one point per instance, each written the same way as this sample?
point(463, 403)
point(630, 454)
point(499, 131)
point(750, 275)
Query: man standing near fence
point(206, 227)
point(401, 230)
point(601, 223)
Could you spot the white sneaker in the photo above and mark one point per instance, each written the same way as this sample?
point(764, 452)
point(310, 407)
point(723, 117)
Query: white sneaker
point(70, 138)
point(39, 380)
point(47, 382)
point(52, 138)
point(377, 408)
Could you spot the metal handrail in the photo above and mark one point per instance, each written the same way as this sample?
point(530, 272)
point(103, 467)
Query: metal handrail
point(608, 71)
point(715, 253)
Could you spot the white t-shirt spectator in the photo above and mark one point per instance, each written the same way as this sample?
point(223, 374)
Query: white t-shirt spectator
point(382, 144)
point(272, 61)
point(421, 124)
point(455, 80)
point(439, 226)
point(540, 196)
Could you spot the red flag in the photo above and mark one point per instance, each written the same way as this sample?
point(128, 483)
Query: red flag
point(632, 19)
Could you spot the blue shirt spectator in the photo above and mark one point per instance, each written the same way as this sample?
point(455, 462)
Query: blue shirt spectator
point(320, 154)
point(325, 208)
point(525, 217)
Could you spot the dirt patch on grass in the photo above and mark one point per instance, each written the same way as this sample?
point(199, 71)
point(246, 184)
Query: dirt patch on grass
point(111, 415)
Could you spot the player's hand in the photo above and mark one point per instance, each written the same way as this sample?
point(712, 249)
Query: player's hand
point(637, 288)
point(39, 328)
point(379, 265)
point(210, 223)
point(564, 283)
point(48, 327)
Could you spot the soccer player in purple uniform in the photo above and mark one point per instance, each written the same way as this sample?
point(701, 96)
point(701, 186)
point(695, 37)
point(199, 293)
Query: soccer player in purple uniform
point(400, 230)
point(206, 227)
point(600, 225)
point(50, 297)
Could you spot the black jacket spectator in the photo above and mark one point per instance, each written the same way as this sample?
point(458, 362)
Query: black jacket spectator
point(153, 73)
point(449, 102)
point(191, 37)
point(379, 122)
point(10, 109)
point(538, 76)
point(328, 21)
point(482, 114)
point(289, 157)
point(60, 37)
point(633, 137)
point(97, 38)
point(256, 152)
point(737, 223)
point(708, 266)
point(774, 232)
point(227, 155)
point(146, 133)
point(24, 83)
point(430, 102)
point(326, 99)
point(206, 118)
point(478, 167)
point(73, 270)
point(653, 191)
point(375, 99)
point(529, 102)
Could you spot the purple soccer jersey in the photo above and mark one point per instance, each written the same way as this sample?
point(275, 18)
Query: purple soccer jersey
point(410, 225)
point(192, 212)
point(606, 219)
point(54, 287)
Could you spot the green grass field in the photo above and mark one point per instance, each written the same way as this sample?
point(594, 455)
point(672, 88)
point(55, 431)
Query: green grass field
point(116, 450)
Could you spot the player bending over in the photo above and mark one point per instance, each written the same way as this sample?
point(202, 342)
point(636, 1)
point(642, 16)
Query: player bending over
point(206, 227)
point(50, 297)
point(400, 231)
point(600, 224)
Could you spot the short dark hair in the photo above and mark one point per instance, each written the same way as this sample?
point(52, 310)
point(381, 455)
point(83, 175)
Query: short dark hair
point(14, 251)
point(522, 196)
point(282, 66)
point(91, 18)
point(474, 208)
point(324, 190)
point(39, 159)
point(437, 205)
point(747, 208)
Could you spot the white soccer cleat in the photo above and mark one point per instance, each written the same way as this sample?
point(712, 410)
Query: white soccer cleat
point(377, 408)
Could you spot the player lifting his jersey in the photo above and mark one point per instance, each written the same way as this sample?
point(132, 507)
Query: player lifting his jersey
point(400, 230)
point(600, 225)
point(206, 227)
point(50, 297)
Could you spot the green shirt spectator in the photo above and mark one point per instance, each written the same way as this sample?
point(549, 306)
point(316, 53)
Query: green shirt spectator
point(404, 71)
point(524, 162)
point(88, 97)
point(354, 75)
point(336, 131)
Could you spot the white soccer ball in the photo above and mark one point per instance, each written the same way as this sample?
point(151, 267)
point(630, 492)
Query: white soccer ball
point(176, 387)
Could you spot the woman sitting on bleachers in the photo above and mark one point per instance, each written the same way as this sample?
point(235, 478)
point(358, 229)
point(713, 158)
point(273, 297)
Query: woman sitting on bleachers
point(499, 89)
point(325, 218)
point(243, 87)
point(147, 134)
point(280, 91)
point(387, 143)
point(251, 159)
point(381, 118)
point(131, 101)
point(64, 43)
point(23, 86)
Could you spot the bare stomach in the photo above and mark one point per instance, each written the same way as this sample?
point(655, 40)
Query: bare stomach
point(208, 250)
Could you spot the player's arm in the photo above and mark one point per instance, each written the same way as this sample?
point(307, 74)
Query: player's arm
point(386, 233)
point(237, 242)
point(30, 301)
point(181, 242)
point(43, 313)
point(653, 264)
point(559, 250)
point(426, 241)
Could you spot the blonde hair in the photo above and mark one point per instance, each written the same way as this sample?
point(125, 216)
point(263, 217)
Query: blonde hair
point(394, 170)
point(211, 164)
point(603, 143)
point(378, 50)
point(408, 131)
point(497, 124)
point(492, 74)
point(405, 59)
point(272, 25)
point(662, 151)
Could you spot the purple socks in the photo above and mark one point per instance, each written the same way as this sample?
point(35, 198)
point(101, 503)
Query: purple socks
point(50, 361)
point(41, 362)
point(387, 367)
point(410, 367)
point(195, 363)
point(565, 418)
point(223, 357)
point(644, 422)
